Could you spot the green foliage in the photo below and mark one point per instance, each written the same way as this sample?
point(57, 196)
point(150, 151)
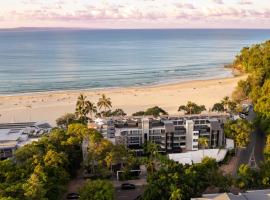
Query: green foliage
point(104, 103)
point(83, 108)
point(42, 169)
point(263, 102)
point(139, 113)
point(66, 120)
point(267, 148)
point(116, 113)
point(97, 190)
point(192, 108)
point(175, 181)
point(239, 130)
point(245, 177)
point(218, 107)
point(154, 111)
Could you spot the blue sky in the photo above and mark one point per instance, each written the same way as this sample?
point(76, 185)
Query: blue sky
point(135, 13)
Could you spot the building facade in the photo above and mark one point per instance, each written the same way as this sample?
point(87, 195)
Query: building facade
point(173, 134)
point(16, 135)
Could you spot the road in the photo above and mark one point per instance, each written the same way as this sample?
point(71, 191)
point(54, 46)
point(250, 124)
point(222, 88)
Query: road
point(129, 194)
point(252, 155)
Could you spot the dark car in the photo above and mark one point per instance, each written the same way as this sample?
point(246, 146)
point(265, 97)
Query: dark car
point(73, 195)
point(127, 186)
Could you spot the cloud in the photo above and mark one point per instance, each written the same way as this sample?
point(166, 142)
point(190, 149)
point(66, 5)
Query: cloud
point(108, 12)
point(185, 5)
point(218, 1)
point(245, 2)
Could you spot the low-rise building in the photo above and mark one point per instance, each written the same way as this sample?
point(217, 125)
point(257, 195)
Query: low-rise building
point(15, 135)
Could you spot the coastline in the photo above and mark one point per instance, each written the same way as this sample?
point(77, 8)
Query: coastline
point(47, 106)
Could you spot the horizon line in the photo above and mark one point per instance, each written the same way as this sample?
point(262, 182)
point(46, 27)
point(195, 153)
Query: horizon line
point(145, 28)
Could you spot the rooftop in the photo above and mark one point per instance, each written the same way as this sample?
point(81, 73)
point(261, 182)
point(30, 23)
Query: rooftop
point(193, 157)
point(249, 195)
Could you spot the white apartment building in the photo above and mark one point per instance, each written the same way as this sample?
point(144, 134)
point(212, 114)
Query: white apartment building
point(173, 133)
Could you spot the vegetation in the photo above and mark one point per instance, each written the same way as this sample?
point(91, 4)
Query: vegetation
point(175, 181)
point(97, 190)
point(192, 108)
point(226, 105)
point(42, 169)
point(83, 108)
point(203, 143)
point(104, 103)
point(218, 107)
point(154, 111)
point(239, 130)
point(66, 119)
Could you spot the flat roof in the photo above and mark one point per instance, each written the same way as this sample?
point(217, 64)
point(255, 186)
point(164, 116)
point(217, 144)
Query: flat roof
point(193, 157)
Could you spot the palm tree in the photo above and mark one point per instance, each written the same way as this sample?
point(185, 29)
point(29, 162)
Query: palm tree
point(104, 102)
point(83, 108)
point(225, 102)
point(91, 108)
point(204, 143)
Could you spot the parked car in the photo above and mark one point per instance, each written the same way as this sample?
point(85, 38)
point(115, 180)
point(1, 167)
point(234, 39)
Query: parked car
point(73, 195)
point(127, 186)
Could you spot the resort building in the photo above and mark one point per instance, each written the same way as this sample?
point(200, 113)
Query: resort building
point(172, 133)
point(16, 135)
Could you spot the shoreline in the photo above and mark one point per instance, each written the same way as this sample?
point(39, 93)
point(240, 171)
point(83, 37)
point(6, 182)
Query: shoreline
point(150, 85)
point(47, 106)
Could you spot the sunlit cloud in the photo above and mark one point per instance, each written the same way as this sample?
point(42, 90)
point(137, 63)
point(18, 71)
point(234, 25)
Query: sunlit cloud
point(140, 13)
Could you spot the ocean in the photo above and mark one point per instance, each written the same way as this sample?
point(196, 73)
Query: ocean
point(36, 60)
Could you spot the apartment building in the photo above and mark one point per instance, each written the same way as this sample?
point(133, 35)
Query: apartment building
point(172, 133)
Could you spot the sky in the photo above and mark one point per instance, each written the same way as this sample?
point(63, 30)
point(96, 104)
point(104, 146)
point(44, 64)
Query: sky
point(135, 13)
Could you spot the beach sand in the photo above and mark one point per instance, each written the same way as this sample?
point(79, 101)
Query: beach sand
point(48, 106)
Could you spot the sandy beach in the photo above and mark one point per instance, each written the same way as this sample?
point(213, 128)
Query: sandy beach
point(48, 106)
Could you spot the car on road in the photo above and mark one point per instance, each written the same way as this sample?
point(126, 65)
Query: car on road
point(127, 186)
point(73, 195)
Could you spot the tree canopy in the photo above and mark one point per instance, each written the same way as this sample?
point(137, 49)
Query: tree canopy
point(154, 111)
point(97, 190)
point(239, 130)
point(192, 108)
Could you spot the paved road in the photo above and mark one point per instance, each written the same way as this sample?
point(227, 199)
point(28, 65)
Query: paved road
point(129, 194)
point(252, 155)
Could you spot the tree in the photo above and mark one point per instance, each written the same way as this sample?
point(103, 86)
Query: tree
point(35, 185)
point(204, 143)
point(244, 177)
point(83, 108)
point(104, 102)
point(225, 102)
point(97, 190)
point(267, 148)
point(218, 107)
point(139, 113)
point(155, 111)
point(65, 120)
point(239, 130)
point(192, 108)
point(119, 113)
point(263, 103)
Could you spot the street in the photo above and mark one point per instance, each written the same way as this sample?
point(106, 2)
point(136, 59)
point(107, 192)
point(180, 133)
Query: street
point(252, 155)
